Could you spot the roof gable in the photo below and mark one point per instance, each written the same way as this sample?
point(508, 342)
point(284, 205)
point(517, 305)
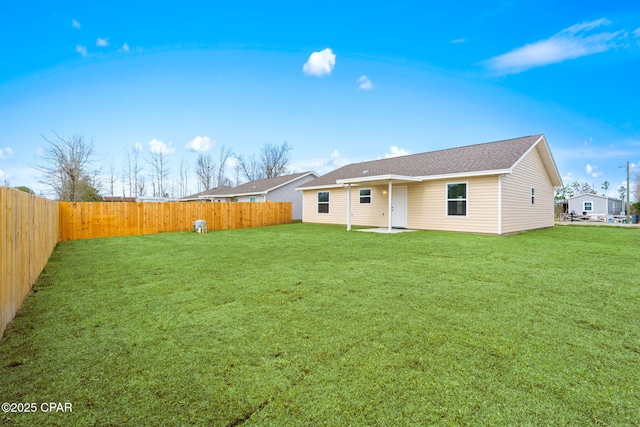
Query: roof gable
point(491, 157)
point(260, 186)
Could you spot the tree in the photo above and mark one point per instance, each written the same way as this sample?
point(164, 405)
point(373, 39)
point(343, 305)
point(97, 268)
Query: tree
point(275, 159)
point(250, 167)
point(25, 189)
point(605, 187)
point(184, 182)
point(622, 192)
point(131, 172)
point(112, 176)
point(225, 154)
point(66, 168)
point(160, 167)
point(204, 170)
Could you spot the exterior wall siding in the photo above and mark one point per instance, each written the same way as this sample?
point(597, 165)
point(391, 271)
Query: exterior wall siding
point(288, 193)
point(518, 214)
point(427, 205)
point(601, 205)
point(337, 207)
point(374, 214)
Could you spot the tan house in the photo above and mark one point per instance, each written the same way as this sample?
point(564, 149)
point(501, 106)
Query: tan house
point(494, 188)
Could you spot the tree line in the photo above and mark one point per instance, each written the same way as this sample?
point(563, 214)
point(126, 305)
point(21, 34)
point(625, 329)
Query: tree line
point(69, 168)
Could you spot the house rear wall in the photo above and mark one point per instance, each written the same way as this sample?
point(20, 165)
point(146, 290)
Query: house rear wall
point(518, 214)
point(426, 206)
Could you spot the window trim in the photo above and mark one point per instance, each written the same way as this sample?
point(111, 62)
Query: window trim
point(370, 196)
point(328, 202)
point(466, 199)
point(584, 206)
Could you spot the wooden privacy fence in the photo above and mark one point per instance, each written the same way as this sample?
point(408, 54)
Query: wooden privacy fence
point(28, 235)
point(86, 220)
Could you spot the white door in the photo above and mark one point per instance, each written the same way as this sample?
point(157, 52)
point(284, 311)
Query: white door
point(399, 207)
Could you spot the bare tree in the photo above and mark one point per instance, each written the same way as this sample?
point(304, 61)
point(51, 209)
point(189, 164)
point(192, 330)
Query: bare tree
point(204, 170)
point(250, 167)
point(225, 154)
point(184, 179)
point(140, 186)
point(275, 159)
point(160, 168)
point(67, 166)
point(112, 176)
point(131, 172)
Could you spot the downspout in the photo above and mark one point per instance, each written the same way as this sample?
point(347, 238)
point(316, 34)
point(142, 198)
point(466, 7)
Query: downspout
point(348, 207)
point(390, 205)
point(499, 204)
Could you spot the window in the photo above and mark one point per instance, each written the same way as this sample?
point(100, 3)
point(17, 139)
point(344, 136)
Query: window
point(323, 202)
point(252, 199)
point(588, 206)
point(365, 196)
point(533, 196)
point(457, 199)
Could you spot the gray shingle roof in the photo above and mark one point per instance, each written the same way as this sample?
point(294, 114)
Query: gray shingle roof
point(500, 155)
point(259, 186)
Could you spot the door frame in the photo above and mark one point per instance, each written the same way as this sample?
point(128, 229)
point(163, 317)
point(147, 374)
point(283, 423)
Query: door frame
point(399, 199)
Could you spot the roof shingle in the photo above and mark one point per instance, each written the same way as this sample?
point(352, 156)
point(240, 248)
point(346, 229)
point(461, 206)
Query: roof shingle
point(499, 155)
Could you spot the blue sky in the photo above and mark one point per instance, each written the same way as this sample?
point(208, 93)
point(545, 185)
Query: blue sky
point(340, 82)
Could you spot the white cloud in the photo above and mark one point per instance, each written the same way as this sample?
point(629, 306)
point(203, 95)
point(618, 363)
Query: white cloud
point(138, 147)
point(75, 24)
point(199, 143)
point(570, 43)
point(395, 151)
point(6, 153)
point(364, 83)
point(102, 42)
point(82, 50)
point(456, 41)
point(320, 63)
point(636, 32)
point(126, 47)
point(324, 165)
point(158, 147)
point(593, 171)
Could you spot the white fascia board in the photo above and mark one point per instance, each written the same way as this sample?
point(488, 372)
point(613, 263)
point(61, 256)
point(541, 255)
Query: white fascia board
point(547, 160)
point(465, 174)
point(319, 187)
point(384, 178)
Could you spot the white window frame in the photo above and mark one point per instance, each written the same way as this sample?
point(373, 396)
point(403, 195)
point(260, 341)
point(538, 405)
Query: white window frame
point(328, 202)
point(360, 196)
point(584, 206)
point(466, 199)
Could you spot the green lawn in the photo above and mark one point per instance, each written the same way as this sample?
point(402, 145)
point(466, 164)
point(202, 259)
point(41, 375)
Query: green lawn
point(308, 325)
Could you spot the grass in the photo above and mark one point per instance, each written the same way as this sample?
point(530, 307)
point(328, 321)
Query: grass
point(311, 325)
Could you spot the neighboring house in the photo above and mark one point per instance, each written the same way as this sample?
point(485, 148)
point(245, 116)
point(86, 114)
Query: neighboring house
point(278, 189)
point(495, 188)
point(118, 199)
point(204, 195)
point(593, 204)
